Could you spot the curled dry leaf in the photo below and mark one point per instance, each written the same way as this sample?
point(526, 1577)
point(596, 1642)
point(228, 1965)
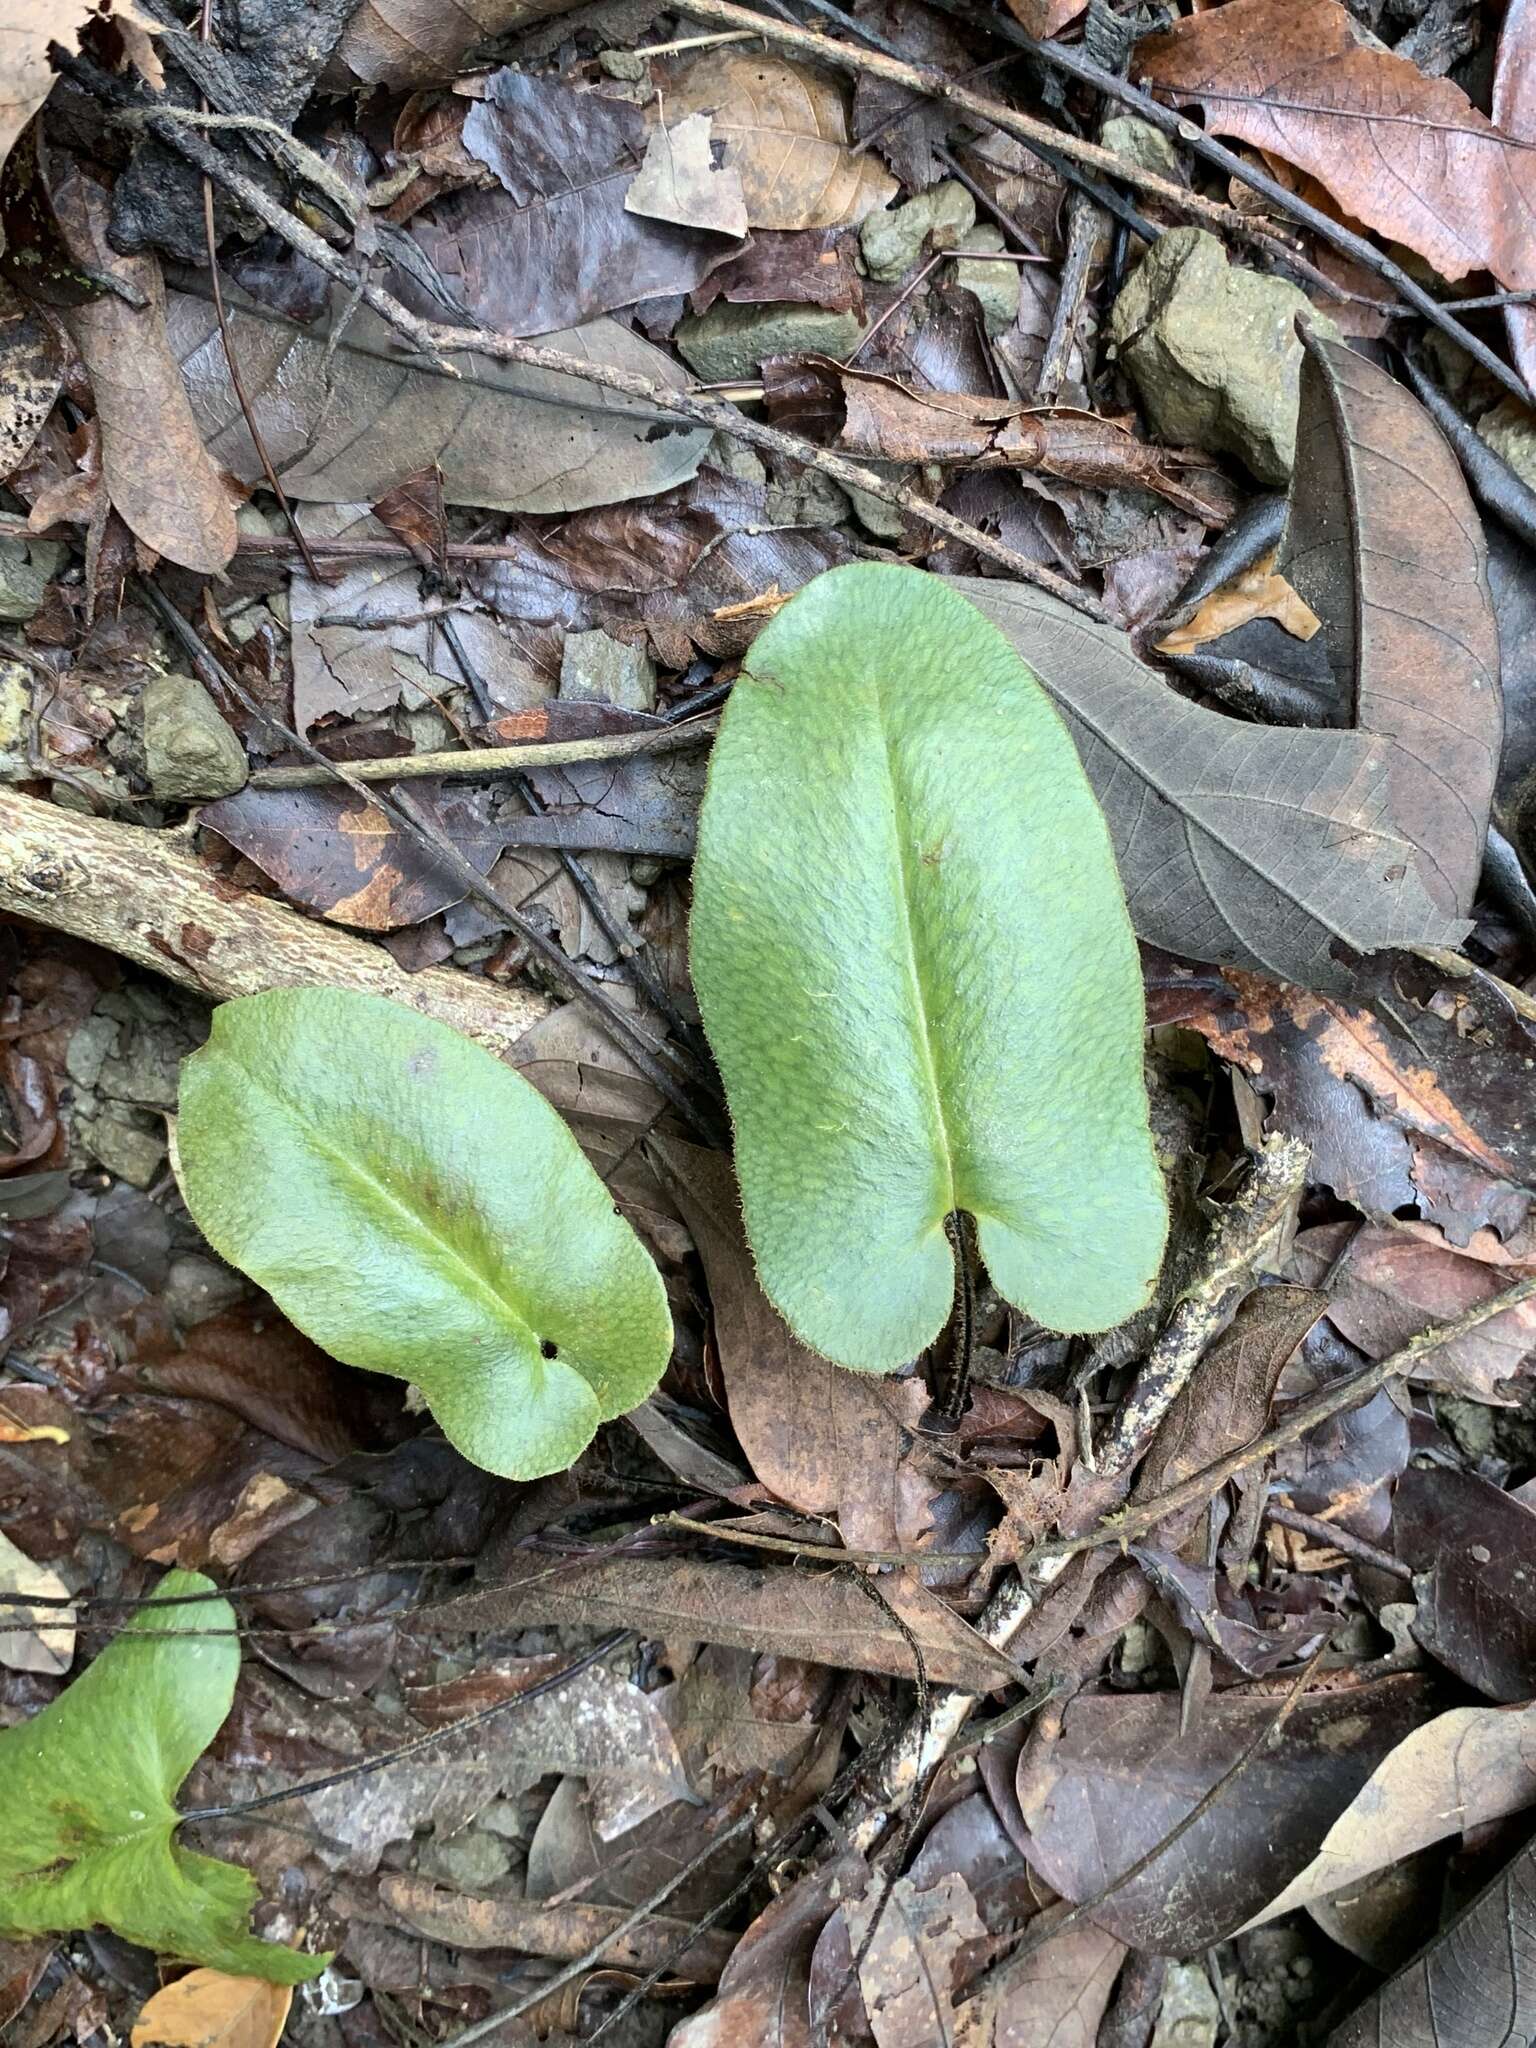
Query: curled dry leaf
point(1458, 1772)
point(1266, 846)
point(207, 2009)
point(1258, 593)
point(344, 428)
point(1409, 156)
point(785, 131)
point(764, 1988)
point(158, 474)
point(1514, 110)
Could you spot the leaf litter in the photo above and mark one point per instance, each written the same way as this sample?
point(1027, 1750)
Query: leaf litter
point(696, 1652)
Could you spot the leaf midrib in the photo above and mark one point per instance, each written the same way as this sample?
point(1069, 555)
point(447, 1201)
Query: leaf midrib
point(904, 896)
point(480, 1285)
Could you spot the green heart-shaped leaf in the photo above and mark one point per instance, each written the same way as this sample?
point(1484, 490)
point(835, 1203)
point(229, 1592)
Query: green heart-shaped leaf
point(87, 1786)
point(417, 1208)
point(912, 954)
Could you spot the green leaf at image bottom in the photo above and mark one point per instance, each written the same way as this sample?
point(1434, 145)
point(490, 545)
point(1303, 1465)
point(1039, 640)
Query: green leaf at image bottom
point(417, 1208)
point(87, 1785)
point(913, 958)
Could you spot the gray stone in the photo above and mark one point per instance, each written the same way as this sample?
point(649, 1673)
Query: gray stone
point(891, 240)
point(809, 499)
point(471, 1862)
point(879, 516)
point(190, 754)
point(1510, 431)
point(626, 65)
point(123, 1141)
point(1212, 351)
point(726, 344)
point(197, 1288)
point(596, 668)
point(1470, 1423)
point(994, 286)
point(89, 1047)
point(1142, 144)
point(1189, 2016)
point(15, 722)
point(22, 583)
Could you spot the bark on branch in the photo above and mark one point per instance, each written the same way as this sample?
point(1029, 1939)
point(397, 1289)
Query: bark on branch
point(147, 896)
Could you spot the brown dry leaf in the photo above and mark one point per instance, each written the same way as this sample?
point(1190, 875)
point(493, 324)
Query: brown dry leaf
point(1409, 156)
point(822, 1617)
point(158, 473)
point(1395, 1278)
point(1514, 109)
point(31, 374)
point(1061, 1994)
point(1045, 17)
point(565, 1930)
point(680, 181)
point(1258, 593)
point(908, 1975)
point(1458, 1772)
point(206, 2009)
point(814, 1434)
point(402, 43)
point(27, 27)
point(785, 130)
point(764, 1990)
point(346, 427)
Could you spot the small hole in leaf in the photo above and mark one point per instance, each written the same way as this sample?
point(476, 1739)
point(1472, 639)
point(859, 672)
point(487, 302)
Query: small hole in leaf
point(549, 1349)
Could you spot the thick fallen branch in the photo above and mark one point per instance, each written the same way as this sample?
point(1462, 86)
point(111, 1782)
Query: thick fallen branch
point(147, 896)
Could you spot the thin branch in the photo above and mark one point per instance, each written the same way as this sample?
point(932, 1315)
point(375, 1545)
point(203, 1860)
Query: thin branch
point(476, 761)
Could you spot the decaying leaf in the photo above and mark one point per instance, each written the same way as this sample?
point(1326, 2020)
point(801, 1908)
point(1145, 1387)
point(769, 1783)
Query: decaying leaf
point(88, 1787)
point(419, 1210)
point(330, 851)
point(819, 1616)
point(1060, 1995)
point(1409, 156)
point(1473, 1550)
point(892, 807)
point(1472, 1987)
point(554, 243)
point(31, 374)
point(908, 1972)
point(27, 27)
point(819, 1437)
point(1514, 111)
point(158, 474)
point(348, 428)
point(763, 1992)
point(1456, 1773)
point(403, 43)
point(1124, 1774)
point(1258, 593)
point(1263, 846)
point(785, 131)
point(1386, 1281)
point(207, 2009)
point(680, 181)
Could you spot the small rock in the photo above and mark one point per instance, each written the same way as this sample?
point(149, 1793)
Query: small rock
point(727, 343)
point(878, 516)
point(809, 499)
point(22, 583)
point(1470, 1423)
point(1190, 2016)
point(596, 668)
point(124, 1142)
point(471, 1862)
point(994, 286)
point(1510, 431)
point(89, 1046)
point(190, 753)
point(891, 240)
point(1212, 350)
point(625, 65)
point(197, 1288)
point(1141, 144)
